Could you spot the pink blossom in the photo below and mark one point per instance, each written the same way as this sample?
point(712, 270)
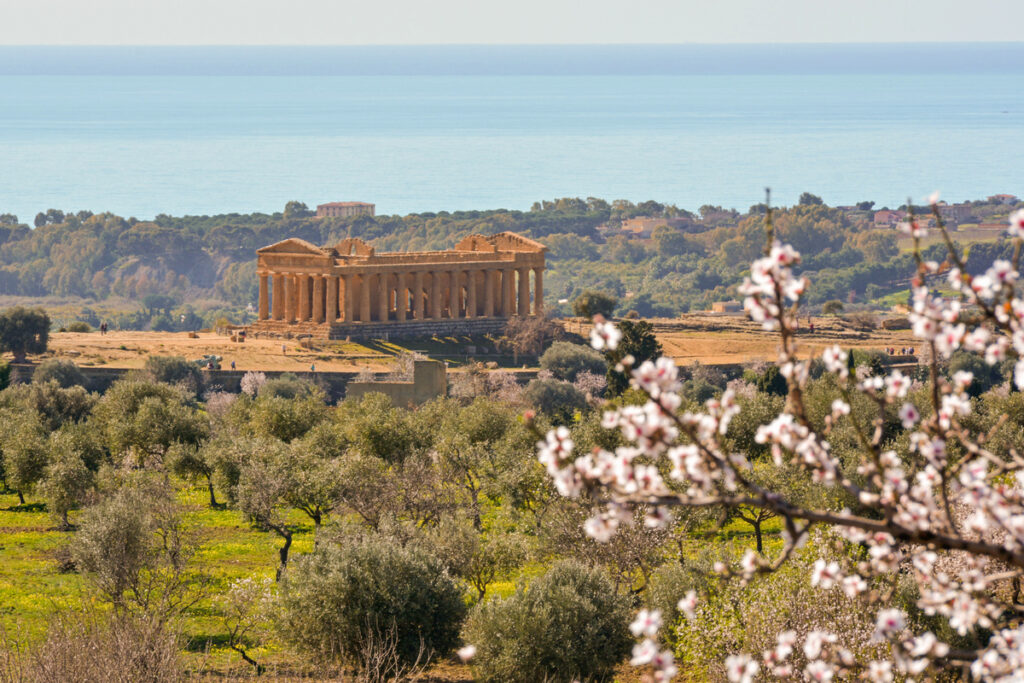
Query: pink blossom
point(647, 623)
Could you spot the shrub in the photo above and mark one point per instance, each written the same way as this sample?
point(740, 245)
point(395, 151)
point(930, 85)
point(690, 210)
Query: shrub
point(772, 382)
point(338, 601)
point(558, 400)
point(64, 372)
point(985, 376)
point(731, 618)
point(252, 382)
point(92, 648)
point(566, 360)
point(832, 307)
point(176, 370)
point(569, 625)
point(79, 326)
point(591, 303)
point(287, 385)
point(862, 320)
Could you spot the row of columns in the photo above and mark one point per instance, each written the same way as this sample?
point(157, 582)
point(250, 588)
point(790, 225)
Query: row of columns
point(384, 296)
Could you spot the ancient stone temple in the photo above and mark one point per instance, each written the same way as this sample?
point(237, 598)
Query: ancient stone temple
point(349, 290)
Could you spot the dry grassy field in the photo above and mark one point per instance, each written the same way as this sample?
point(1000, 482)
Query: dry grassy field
point(129, 350)
point(704, 338)
point(726, 339)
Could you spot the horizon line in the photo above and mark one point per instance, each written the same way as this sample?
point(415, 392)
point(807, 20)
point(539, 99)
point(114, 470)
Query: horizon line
point(501, 44)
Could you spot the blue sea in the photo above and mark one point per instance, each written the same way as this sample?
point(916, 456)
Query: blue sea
point(194, 130)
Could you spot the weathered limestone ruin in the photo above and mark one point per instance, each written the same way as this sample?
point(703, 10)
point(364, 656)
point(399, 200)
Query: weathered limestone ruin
point(349, 290)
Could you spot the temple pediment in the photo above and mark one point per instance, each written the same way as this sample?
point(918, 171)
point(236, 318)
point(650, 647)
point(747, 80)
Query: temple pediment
point(353, 246)
point(510, 241)
point(477, 243)
point(292, 245)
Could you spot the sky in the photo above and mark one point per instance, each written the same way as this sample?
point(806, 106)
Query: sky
point(390, 22)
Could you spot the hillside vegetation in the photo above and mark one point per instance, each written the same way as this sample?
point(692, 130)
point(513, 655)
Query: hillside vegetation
point(207, 262)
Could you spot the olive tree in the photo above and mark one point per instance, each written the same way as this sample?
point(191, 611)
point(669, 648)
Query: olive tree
point(24, 331)
point(344, 604)
point(136, 550)
point(25, 453)
point(141, 420)
point(67, 479)
point(62, 371)
point(567, 625)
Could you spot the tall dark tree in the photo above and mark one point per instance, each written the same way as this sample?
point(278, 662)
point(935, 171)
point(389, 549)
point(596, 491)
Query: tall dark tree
point(591, 303)
point(23, 331)
point(638, 340)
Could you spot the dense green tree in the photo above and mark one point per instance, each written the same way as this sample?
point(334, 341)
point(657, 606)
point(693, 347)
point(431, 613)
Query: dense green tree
point(66, 481)
point(294, 209)
point(343, 604)
point(591, 303)
point(23, 331)
point(140, 420)
point(568, 625)
point(566, 360)
point(177, 371)
point(638, 340)
point(25, 453)
point(560, 401)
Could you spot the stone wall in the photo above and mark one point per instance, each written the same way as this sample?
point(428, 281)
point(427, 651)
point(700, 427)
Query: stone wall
point(366, 331)
point(100, 379)
point(430, 380)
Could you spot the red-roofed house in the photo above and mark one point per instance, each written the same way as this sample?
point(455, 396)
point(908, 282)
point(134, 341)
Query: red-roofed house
point(1003, 199)
point(344, 209)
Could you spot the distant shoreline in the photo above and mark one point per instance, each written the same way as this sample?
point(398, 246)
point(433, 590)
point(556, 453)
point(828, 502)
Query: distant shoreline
point(492, 60)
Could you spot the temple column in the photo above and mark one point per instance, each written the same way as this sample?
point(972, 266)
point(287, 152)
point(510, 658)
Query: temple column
point(318, 299)
point(264, 306)
point(538, 291)
point(304, 298)
point(295, 296)
point(523, 308)
point(346, 282)
point(507, 276)
point(383, 296)
point(364, 298)
point(401, 297)
point(289, 298)
point(417, 296)
point(332, 298)
point(489, 293)
point(279, 296)
point(453, 294)
point(435, 295)
point(471, 284)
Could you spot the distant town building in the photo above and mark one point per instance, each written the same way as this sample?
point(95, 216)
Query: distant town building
point(887, 218)
point(1003, 199)
point(344, 209)
point(642, 227)
point(955, 213)
point(726, 307)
